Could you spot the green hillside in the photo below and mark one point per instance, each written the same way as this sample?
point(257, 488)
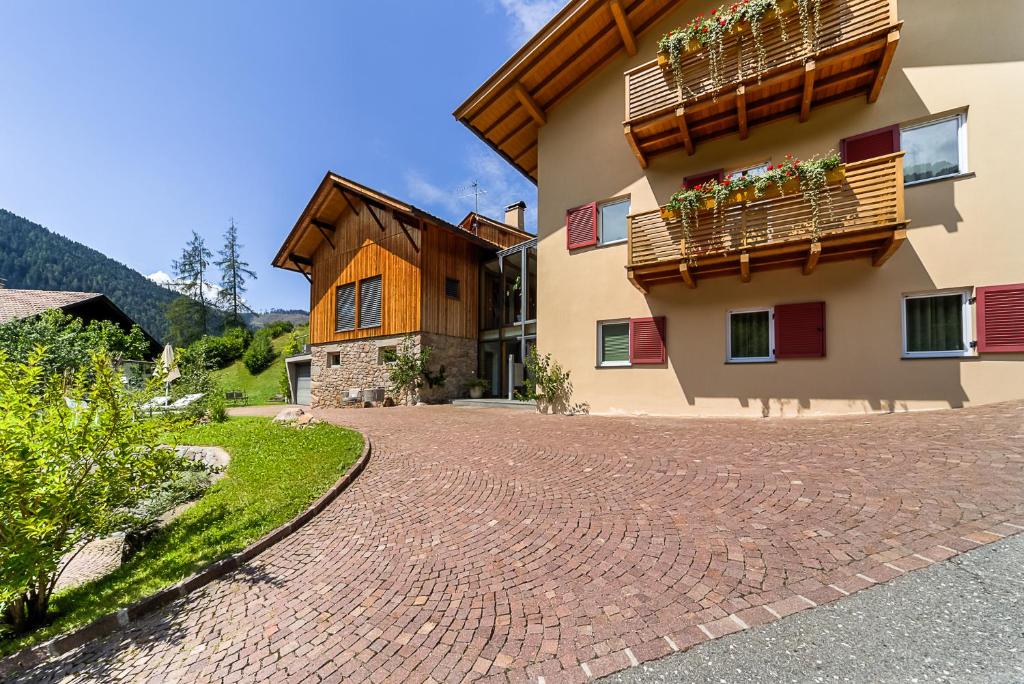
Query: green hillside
point(34, 258)
point(264, 385)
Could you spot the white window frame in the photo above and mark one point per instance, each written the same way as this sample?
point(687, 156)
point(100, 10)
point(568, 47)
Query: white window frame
point(771, 336)
point(733, 173)
point(961, 133)
point(600, 221)
point(601, 363)
point(967, 321)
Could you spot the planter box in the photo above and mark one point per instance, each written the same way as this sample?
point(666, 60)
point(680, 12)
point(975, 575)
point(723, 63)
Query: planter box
point(670, 214)
point(836, 175)
point(664, 61)
point(785, 7)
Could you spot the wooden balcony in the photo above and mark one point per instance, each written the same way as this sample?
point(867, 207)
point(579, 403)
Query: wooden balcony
point(856, 42)
point(860, 217)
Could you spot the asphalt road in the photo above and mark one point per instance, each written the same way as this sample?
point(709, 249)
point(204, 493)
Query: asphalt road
point(957, 621)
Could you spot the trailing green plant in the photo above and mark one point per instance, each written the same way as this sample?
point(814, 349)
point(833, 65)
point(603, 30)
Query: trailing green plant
point(75, 456)
point(811, 175)
point(706, 34)
point(548, 384)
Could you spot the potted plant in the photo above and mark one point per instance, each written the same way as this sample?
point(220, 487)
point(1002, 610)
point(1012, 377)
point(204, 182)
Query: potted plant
point(477, 387)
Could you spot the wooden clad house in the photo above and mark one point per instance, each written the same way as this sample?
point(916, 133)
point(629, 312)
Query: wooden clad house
point(381, 269)
point(899, 285)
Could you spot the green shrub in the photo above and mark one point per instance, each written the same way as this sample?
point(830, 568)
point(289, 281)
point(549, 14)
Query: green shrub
point(219, 352)
point(548, 384)
point(260, 354)
point(278, 328)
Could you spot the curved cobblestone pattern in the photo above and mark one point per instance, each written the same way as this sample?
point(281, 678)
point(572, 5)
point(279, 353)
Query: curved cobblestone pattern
point(506, 546)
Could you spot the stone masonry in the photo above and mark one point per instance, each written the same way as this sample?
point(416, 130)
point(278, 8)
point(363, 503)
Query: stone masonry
point(361, 366)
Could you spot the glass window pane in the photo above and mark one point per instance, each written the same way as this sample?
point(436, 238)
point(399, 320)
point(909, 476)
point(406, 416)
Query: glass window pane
point(613, 221)
point(615, 342)
point(935, 323)
point(756, 170)
point(931, 151)
point(749, 335)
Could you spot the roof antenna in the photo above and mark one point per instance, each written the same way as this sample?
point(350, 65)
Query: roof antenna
point(472, 190)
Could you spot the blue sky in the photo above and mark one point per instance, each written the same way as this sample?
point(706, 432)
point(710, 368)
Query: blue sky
point(127, 125)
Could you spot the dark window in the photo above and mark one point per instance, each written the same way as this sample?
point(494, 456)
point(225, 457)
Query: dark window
point(451, 288)
point(870, 145)
point(345, 311)
point(369, 302)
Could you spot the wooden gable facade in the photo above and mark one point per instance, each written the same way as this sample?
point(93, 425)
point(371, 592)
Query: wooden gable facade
point(349, 233)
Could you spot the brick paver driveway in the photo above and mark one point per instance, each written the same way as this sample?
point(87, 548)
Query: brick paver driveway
point(495, 544)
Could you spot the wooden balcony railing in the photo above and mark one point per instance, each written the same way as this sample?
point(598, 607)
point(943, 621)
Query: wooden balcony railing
point(856, 43)
point(862, 216)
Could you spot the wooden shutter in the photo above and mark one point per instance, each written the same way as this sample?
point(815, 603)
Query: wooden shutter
point(800, 330)
point(581, 226)
point(345, 307)
point(647, 340)
point(369, 302)
point(871, 144)
point(1000, 311)
point(701, 178)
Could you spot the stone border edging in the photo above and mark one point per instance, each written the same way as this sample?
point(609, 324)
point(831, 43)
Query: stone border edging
point(108, 624)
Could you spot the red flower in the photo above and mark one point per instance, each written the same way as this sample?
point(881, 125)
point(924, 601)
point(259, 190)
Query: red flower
point(770, 167)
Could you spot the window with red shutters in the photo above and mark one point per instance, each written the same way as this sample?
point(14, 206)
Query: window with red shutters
point(871, 144)
point(647, 340)
point(700, 178)
point(1000, 310)
point(581, 226)
point(800, 330)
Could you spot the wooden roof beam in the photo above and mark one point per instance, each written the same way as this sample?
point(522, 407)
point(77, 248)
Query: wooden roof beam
point(897, 238)
point(622, 21)
point(891, 41)
point(535, 111)
point(745, 267)
point(808, 96)
point(326, 229)
point(348, 200)
point(406, 222)
point(741, 112)
point(812, 258)
point(635, 281)
point(380, 224)
point(684, 128)
point(634, 145)
point(687, 275)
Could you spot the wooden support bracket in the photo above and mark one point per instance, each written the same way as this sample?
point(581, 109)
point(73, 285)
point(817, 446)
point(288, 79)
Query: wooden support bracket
point(348, 200)
point(636, 282)
point(808, 96)
point(687, 275)
point(634, 145)
point(326, 229)
point(299, 262)
point(898, 237)
point(628, 39)
point(741, 111)
point(531, 106)
point(405, 222)
point(684, 128)
point(812, 258)
point(376, 218)
point(745, 267)
point(891, 41)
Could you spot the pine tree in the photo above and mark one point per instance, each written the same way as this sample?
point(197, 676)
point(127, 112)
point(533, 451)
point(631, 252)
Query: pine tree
point(191, 273)
point(234, 275)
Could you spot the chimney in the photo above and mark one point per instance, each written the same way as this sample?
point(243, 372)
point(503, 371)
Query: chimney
point(515, 215)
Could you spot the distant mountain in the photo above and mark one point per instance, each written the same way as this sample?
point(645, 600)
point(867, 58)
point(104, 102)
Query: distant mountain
point(34, 258)
point(294, 316)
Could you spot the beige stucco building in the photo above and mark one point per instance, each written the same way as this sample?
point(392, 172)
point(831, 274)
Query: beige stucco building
point(940, 220)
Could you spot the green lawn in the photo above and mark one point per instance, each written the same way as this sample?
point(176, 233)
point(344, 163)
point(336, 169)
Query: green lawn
point(275, 473)
point(263, 386)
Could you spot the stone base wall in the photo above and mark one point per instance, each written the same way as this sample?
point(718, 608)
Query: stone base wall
point(360, 367)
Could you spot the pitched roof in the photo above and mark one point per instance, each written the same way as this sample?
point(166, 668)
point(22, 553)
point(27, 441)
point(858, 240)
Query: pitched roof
point(510, 235)
point(507, 111)
point(304, 237)
point(16, 304)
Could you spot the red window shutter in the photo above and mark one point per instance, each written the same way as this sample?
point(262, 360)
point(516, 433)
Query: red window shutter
point(1000, 311)
point(647, 340)
point(871, 144)
point(800, 330)
point(700, 178)
point(581, 226)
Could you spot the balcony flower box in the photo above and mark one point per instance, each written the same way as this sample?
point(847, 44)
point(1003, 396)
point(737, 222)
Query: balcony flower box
point(785, 7)
point(664, 61)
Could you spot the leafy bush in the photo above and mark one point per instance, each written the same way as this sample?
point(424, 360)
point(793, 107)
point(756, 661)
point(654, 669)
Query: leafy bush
point(76, 457)
point(278, 328)
point(548, 384)
point(219, 352)
point(260, 354)
point(69, 343)
point(292, 348)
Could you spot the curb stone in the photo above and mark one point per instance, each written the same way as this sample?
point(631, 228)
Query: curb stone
point(31, 656)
